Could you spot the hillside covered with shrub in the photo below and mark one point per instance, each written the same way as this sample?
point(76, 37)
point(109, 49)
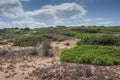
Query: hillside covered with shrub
point(30, 37)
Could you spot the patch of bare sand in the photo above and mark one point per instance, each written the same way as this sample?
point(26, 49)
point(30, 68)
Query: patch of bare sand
point(21, 69)
point(62, 45)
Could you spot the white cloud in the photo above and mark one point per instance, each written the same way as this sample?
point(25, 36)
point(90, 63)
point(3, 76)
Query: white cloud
point(63, 11)
point(59, 22)
point(42, 14)
point(88, 20)
point(57, 14)
point(22, 24)
point(4, 25)
point(25, 0)
point(101, 18)
point(105, 22)
point(11, 8)
point(31, 24)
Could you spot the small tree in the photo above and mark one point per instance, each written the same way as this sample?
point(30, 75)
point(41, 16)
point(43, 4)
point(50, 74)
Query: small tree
point(27, 29)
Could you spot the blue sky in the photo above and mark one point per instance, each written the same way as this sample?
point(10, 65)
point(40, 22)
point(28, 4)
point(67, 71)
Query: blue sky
point(43, 13)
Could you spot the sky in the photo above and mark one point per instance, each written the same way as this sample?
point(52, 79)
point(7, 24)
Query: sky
point(44, 13)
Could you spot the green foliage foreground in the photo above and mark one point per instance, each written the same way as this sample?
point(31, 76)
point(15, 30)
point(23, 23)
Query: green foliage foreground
point(92, 54)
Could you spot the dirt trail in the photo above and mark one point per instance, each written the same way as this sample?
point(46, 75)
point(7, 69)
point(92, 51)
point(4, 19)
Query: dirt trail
point(21, 69)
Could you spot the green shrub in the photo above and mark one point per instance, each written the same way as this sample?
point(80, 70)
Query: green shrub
point(3, 43)
point(57, 37)
point(26, 28)
point(100, 40)
point(47, 36)
point(92, 54)
point(27, 41)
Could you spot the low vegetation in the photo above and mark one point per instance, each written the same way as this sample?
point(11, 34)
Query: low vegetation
point(46, 46)
point(98, 45)
point(101, 40)
point(27, 41)
point(3, 43)
point(92, 54)
point(58, 33)
point(35, 53)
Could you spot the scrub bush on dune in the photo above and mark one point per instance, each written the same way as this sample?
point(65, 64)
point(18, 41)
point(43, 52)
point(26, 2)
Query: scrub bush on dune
point(92, 54)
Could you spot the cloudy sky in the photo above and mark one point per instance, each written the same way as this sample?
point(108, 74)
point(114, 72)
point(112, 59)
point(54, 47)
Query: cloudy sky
point(43, 13)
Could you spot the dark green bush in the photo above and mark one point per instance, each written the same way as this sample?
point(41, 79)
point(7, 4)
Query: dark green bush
point(92, 54)
point(57, 37)
point(27, 29)
point(70, 34)
point(47, 36)
point(3, 43)
point(100, 40)
point(27, 41)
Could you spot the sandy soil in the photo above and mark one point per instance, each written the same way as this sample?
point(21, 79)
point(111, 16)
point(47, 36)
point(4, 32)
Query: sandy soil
point(19, 69)
point(50, 68)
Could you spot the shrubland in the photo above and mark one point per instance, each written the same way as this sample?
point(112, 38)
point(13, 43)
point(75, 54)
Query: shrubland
point(100, 40)
point(59, 33)
point(98, 45)
point(92, 54)
point(27, 41)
